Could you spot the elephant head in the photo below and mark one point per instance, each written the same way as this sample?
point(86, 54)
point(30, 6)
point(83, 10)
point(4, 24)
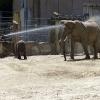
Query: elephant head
point(68, 29)
point(68, 26)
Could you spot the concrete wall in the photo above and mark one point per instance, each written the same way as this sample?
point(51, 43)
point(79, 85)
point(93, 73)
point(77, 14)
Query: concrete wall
point(47, 7)
point(64, 7)
point(44, 8)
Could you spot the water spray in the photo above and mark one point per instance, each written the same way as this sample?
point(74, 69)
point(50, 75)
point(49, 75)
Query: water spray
point(35, 30)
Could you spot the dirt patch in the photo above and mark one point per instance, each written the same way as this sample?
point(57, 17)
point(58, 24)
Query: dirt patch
point(49, 78)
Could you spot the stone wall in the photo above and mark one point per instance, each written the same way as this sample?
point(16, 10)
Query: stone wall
point(44, 48)
point(37, 48)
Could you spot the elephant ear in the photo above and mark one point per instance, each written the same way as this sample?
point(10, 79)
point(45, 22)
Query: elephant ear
point(63, 21)
point(70, 24)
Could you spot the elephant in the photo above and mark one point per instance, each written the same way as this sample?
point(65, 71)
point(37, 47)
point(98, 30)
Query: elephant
point(85, 33)
point(21, 49)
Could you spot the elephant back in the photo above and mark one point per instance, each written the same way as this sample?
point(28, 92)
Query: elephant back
point(79, 29)
point(93, 31)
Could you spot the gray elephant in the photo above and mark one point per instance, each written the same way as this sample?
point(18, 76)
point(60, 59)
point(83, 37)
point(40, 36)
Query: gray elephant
point(84, 32)
point(21, 49)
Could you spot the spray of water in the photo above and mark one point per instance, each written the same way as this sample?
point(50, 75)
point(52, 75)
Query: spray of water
point(35, 30)
point(95, 18)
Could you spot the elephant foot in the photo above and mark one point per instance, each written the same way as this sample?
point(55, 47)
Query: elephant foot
point(25, 58)
point(95, 57)
point(64, 59)
point(19, 57)
point(87, 57)
point(72, 58)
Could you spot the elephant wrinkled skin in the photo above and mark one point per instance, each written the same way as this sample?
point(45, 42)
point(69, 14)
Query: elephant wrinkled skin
point(84, 32)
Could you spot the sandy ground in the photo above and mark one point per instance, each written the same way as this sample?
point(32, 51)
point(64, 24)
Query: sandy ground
point(49, 78)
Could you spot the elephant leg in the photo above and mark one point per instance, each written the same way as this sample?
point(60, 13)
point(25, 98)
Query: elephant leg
point(95, 51)
point(24, 54)
point(16, 51)
point(85, 47)
point(64, 51)
point(19, 55)
point(72, 49)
